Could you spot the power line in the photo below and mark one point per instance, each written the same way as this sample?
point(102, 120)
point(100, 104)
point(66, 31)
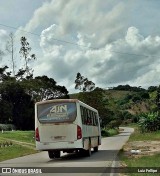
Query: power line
point(18, 29)
point(72, 43)
point(63, 41)
point(131, 54)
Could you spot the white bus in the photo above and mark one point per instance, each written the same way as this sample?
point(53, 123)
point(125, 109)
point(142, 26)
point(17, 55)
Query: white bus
point(67, 125)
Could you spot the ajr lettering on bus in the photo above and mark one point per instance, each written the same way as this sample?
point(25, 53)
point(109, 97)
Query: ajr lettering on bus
point(59, 109)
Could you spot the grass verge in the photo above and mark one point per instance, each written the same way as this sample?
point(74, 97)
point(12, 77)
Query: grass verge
point(138, 136)
point(145, 161)
point(14, 151)
point(140, 161)
point(22, 136)
point(22, 144)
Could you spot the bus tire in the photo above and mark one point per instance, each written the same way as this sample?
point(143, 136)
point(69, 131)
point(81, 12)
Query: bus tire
point(88, 152)
point(51, 154)
point(82, 152)
point(57, 154)
point(96, 149)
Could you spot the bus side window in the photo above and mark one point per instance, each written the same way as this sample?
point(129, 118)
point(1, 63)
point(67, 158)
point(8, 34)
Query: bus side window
point(82, 114)
point(88, 117)
point(91, 117)
point(94, 119)
point(88, 121)
point(85, 116)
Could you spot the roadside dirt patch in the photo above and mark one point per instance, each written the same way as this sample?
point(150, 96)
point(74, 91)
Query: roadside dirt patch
point(144, 148)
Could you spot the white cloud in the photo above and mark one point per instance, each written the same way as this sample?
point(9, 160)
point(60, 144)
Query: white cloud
point(133, 37)
point(96, 18)
point(3, 37)
point(103, 65)
point(3, 33)
point(102, 32)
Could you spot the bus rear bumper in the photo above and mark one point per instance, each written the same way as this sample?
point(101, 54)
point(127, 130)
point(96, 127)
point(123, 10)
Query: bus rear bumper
point(45, 146)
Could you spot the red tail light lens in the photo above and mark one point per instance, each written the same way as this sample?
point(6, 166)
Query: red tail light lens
point(79, 132)
point(37, 135)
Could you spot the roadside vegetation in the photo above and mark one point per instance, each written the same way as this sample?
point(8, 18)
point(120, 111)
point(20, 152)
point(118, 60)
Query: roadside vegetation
point(109, 132)
point(148, 146)
point(15, 144)
point(148, 136)
point(21, 136)
point(14, 151)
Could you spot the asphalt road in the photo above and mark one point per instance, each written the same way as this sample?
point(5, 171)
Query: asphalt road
point(99, 164)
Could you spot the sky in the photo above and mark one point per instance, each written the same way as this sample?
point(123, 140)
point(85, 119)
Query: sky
point(110, 42)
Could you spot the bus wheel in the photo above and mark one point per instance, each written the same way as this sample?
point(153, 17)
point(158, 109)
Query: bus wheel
point(96, 149)
point(51, 154)
point(57, 154)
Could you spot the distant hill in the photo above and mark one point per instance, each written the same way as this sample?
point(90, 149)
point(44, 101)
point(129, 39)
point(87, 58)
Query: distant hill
point(117, 94)
point(131, 101)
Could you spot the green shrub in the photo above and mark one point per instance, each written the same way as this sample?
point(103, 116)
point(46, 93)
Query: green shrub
point(3, 127)
point(7, 127)
point(114, 123)
point(136, 98)
point(104, 133)
point(113, 132)
point(128, 121)
point(135, 119)
point(149, 122)
point(109, 132)
point(127, 115)
point(125, 100)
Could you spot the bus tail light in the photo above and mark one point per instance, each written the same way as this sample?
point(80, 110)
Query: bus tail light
point(37, 135)
point(79, 132)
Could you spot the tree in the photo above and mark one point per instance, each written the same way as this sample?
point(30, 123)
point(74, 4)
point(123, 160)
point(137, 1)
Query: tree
point(18, 94)
point(97, 100)
point(4, 75)
point(10, 50)
point(44, 88)
point(128, 88)
point(152, 88)
point(25, 53)
point(48, 88)
point(20, 76)
point(83, 83)
point(5, 112)
point(20, 105)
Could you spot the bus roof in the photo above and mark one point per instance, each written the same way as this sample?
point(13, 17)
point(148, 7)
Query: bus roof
point(66, 101)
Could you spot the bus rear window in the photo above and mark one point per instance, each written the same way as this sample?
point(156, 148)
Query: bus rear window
point(56, 112)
